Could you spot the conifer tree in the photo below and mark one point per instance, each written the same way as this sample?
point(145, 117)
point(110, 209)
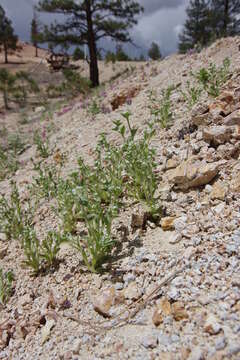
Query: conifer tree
point(8, 40)
point(88, 21)
point(225, 17)
point(154, 52)
point(35, 33)
point(197, 28)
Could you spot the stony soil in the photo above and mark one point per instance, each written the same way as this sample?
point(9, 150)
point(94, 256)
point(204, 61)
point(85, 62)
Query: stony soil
point(174, 291)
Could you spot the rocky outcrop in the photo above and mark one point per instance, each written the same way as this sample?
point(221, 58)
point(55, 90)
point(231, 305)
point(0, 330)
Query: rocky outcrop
point(217, 135)
point(192, 174)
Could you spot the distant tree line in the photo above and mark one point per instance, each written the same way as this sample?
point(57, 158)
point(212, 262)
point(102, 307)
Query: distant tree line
point(208, 20)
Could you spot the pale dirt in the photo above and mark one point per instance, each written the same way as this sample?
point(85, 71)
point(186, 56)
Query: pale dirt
point(75, 134)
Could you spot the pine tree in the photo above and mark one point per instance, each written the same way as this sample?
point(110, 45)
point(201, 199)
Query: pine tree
point(8, 40)
point(225, 17)
point(89, 21)
point(197, 27)
point(35, 33)
point(154, 52)
point(121, 55)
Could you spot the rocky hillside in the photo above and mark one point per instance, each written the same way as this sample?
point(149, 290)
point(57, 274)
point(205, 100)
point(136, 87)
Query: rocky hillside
point(171, 289)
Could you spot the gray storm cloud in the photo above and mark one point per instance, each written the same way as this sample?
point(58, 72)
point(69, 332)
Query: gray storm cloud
point(151, 6)
point(159, 23)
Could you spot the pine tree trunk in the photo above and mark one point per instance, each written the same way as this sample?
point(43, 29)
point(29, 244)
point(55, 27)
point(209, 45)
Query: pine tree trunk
point(36, 50)
point(5, 53)
point(226, 17)
point(94, 74)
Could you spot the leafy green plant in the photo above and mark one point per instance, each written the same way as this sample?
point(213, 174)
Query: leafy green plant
point(7, 85)
point(161, 109)
point(94, 108)
point(6, 279)
point(24, 85)
point(97, 245)
point(50, 247)
point(139, 165)
point(12, 216)
point(192, 94)
point(40, 255)
point(32, 250)
point(42, 143)
point(15, 143)
point(78, 54)
point(8, 163)
point(213, 78)
point(74, 83)
point(46, 184)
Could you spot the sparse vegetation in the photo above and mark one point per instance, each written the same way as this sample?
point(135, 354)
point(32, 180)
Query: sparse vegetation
point(12, 215)
point(8, 163)
point(161, 109)
point(192, 94)
point(18, 85)
point(41, 142)
point(6, 279)
point(7, 82)
point(78, 54)
point(213, 78)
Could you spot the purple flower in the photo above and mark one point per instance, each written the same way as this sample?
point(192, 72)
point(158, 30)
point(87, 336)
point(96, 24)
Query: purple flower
point(44, 134)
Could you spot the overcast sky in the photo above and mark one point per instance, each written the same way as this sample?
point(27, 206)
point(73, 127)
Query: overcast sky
point(161, 22)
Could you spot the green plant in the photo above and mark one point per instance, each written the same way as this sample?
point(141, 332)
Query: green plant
point(7, 85)
point(94, 108)
point(46, 184)
point(24, 85)
point(42, 143)
point(161, 109)
point(6, 279)
point(11, 215)
point(97, 245)
point(192, 94)
point(50, 247)
point(32, 250)
point(8, 163)
point(139, 165)
point(213, 78)
point(78, 54)
point(40, 255)
point(15, 143)
point(74, 83)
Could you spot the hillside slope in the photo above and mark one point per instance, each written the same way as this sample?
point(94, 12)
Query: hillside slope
point(195, 313)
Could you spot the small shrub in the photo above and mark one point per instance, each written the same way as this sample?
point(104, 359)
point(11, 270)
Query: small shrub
point(74, 83)
point(46, 184)
point(161, 109)
point(7, 86)
point(40, 140)
point(24, 85)
point(139, 165)
point(78, 54)
point(192, 94)
point(8, 163)
point(50, 248)
point(6, 279)
point(96, 247)
point(213, 78)
point(39, 256)
point(94, 108)
point(15, 144)
point(12, 217)
point(32, 251)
